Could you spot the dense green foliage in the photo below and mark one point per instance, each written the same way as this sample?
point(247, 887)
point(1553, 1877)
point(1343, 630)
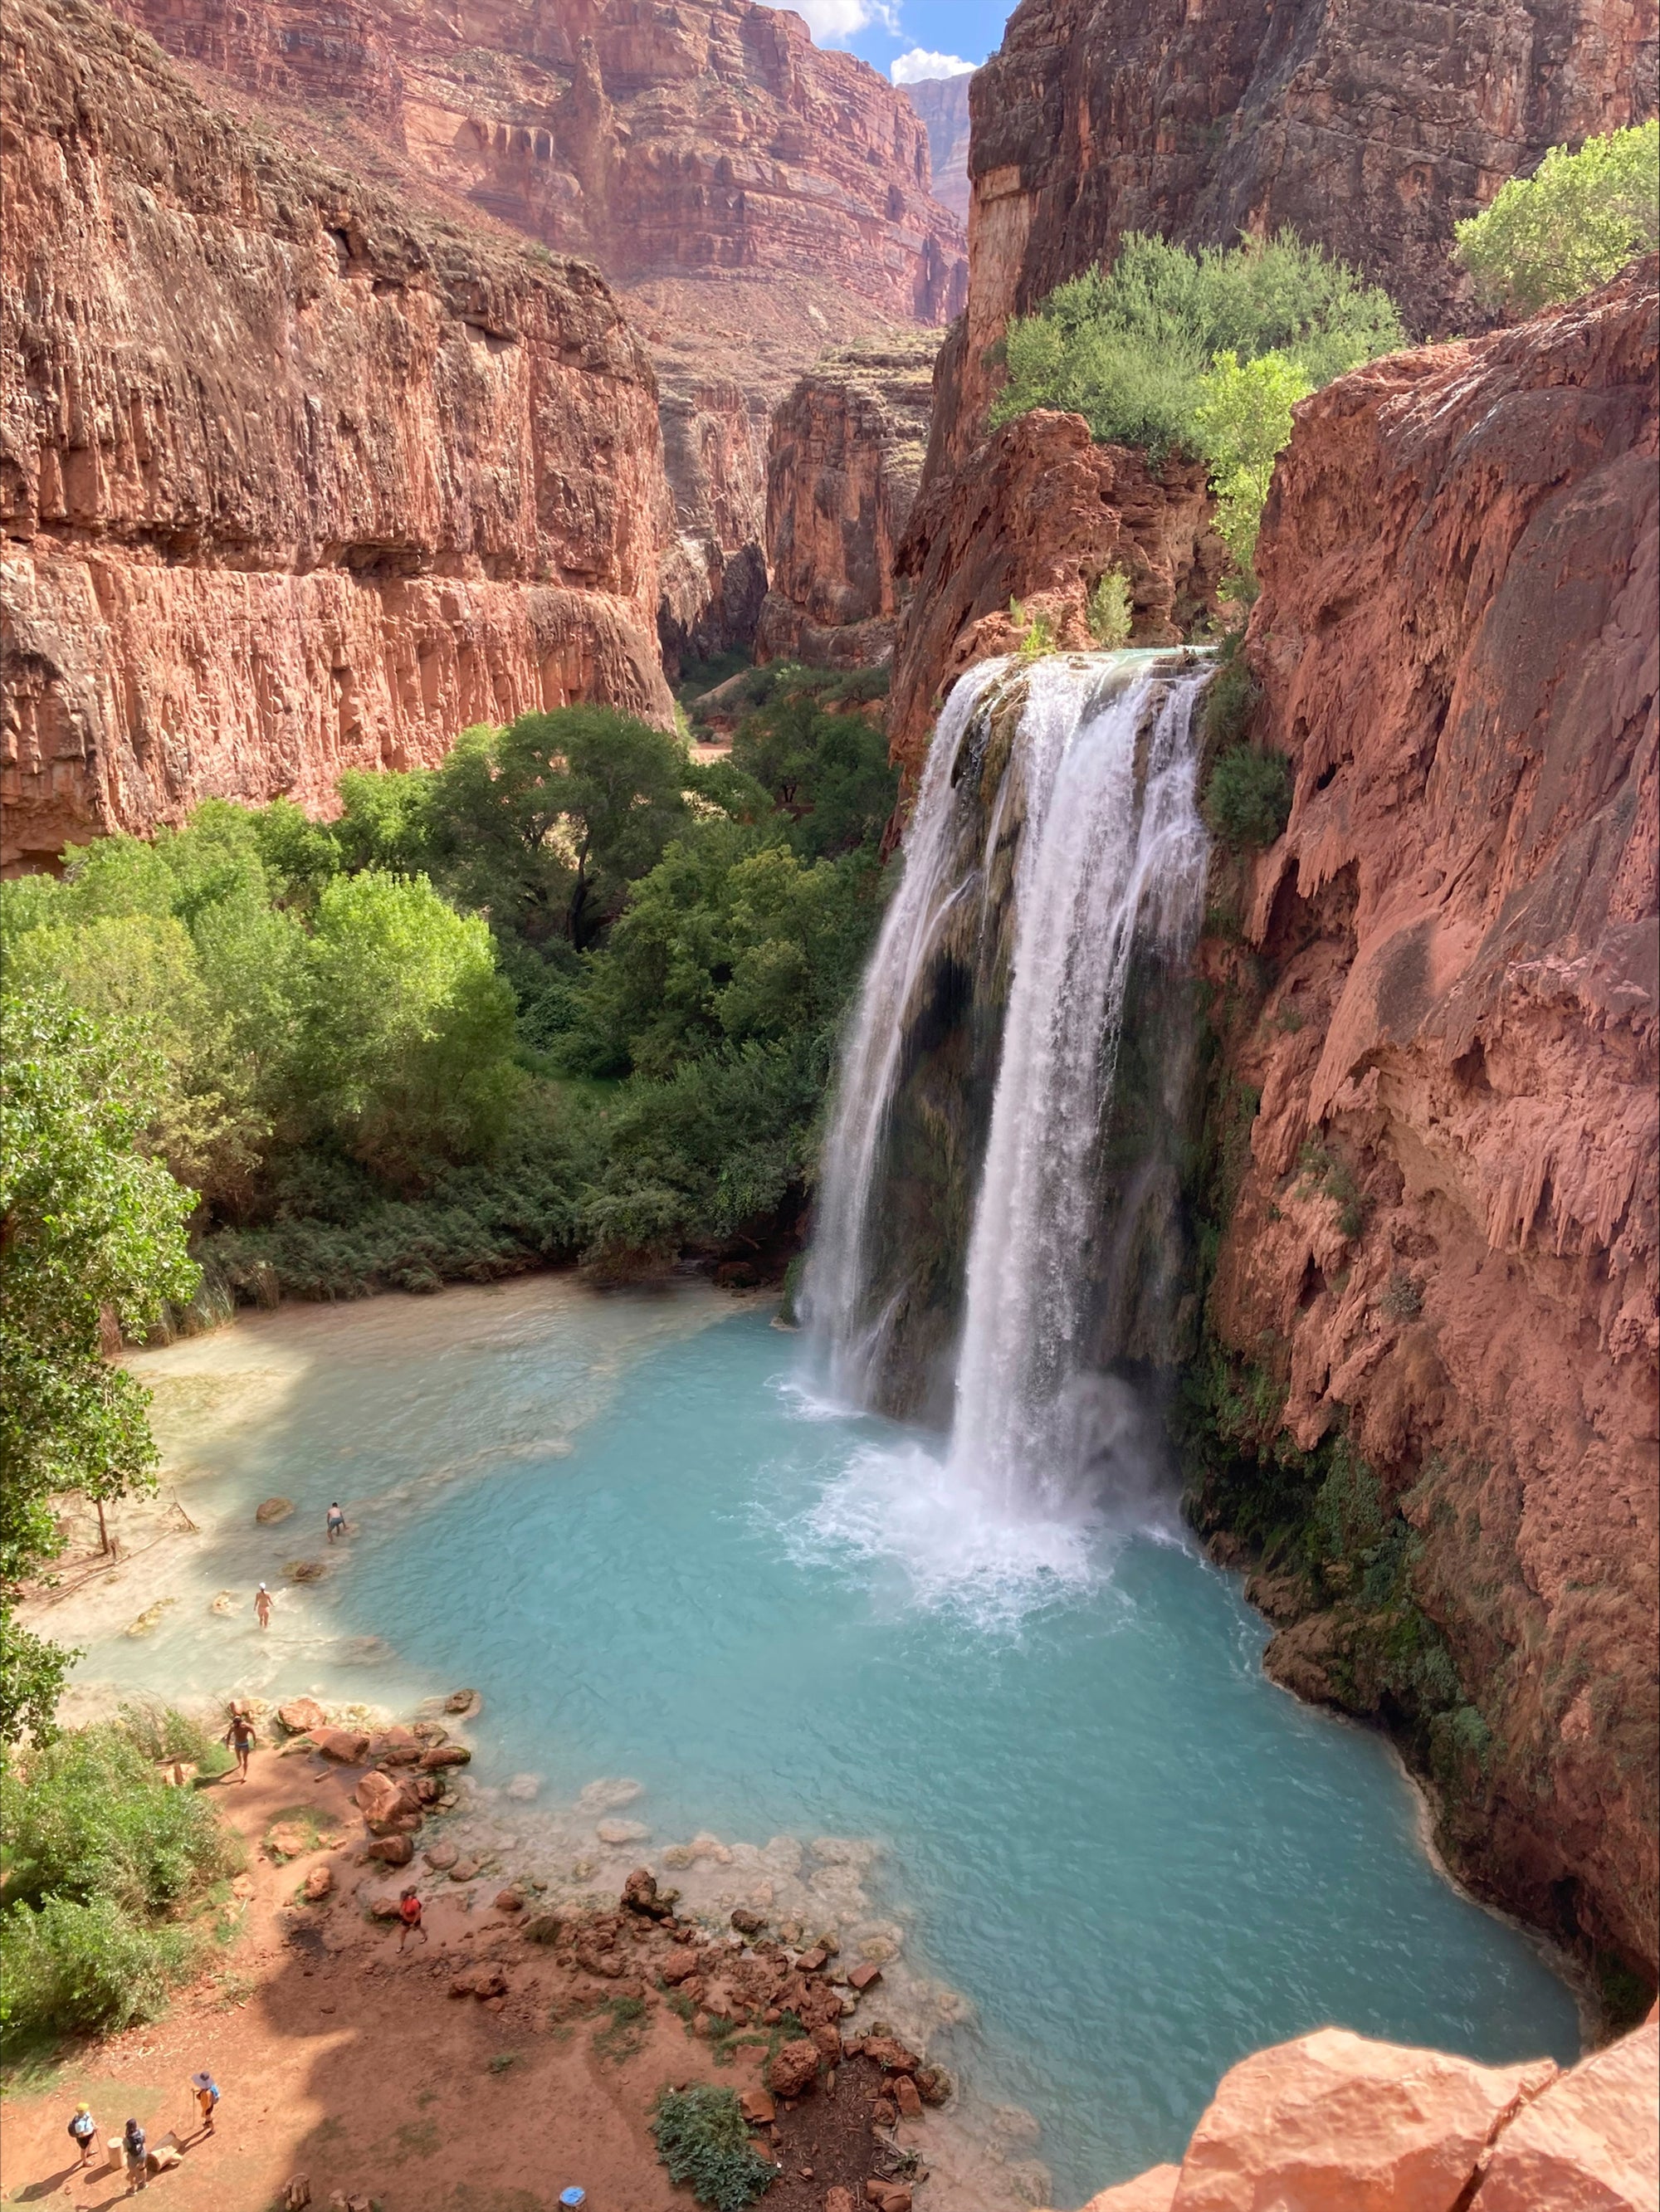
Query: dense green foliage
point(703, 2141)
point(1203, 353)
point(107, 1870)
point(1247, 800)
point(1572, 225)
point(570, 995)
point(87, 1223)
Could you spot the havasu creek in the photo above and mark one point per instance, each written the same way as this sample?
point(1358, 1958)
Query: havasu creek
point(830, 1164)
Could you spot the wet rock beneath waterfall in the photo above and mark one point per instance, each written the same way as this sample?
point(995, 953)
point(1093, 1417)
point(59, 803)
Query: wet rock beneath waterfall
point(272, 1510)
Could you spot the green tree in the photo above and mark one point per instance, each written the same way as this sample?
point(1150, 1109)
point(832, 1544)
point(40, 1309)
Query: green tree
point(407, 1047)
point(544, 824)
point(88, 1226)
point(1243, 422)
point(1571, 225)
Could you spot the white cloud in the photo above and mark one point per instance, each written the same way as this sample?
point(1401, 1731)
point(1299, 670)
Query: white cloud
point(919, 65)
point(829, 19)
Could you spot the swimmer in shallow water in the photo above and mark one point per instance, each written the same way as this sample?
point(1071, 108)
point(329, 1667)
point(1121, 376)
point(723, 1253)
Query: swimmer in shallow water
point(337, 1522)
point(261, 1607)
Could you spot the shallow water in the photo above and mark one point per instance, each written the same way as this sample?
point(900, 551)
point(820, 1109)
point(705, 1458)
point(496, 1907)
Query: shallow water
point(1096, 1821)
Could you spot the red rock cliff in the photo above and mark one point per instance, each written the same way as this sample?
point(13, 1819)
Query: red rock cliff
point(291, 480)
point(1452, 1000)
point(845, 455)
point(1368, 130)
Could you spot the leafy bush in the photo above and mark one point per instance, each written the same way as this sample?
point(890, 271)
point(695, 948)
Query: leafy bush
point(1571, 225)
point(1202, 353)
point(1248, 799)
point(104, 1863)
point(1230, 696)
point(1111, 609)
point(702, 2141)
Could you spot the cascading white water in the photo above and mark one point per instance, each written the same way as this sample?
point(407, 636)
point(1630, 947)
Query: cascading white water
point(936, 874)
point(1113, 867)
point(1109, 866)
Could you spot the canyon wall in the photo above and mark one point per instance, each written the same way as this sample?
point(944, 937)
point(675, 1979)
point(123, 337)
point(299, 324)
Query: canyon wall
point(291, 482)
point(1436, 1294)
point(943, 104)
point(844, 459)
point(751, 198)
point(1368, 130)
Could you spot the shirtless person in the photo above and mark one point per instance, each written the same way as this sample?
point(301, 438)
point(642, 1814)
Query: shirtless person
point(240, 1738)
point(261, 1607)
point(336, 1522)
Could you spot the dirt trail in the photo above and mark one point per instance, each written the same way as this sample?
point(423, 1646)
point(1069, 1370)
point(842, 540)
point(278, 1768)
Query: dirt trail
point(343, 2060)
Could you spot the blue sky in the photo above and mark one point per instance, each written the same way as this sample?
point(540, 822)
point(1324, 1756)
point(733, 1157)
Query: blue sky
point(882, 31)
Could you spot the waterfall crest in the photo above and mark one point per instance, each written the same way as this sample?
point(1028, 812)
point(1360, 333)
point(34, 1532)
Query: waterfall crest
point(1055, 862)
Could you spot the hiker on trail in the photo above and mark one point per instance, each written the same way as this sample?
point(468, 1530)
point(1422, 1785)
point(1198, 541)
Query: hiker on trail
point(336, 1522)
point(240, 1738)
point(262, 1606)
point(207, 2096)
point(132, 2142)
point(409, 1913)
point(84, 2129)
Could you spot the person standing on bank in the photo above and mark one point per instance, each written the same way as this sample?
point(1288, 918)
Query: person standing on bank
point(84, 2129)
point(240, 1738)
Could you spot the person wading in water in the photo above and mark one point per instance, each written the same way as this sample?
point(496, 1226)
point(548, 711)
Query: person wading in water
point(336, 1522)
point(261, 1607)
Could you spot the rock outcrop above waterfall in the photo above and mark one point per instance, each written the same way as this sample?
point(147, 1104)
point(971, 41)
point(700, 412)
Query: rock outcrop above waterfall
point(293, 480)
point(1441, 1242)
point(1368, 130)
point(844, 458)
point(1036, 516)
point(1334, 2122)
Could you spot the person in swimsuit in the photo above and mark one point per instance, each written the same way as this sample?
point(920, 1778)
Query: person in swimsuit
point(409, 1913)
point(240, 1738)
point(261, 1607)
point(336, 1522)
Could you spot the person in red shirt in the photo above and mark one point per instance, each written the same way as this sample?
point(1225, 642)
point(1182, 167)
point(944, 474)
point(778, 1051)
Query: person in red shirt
point(409, 1913)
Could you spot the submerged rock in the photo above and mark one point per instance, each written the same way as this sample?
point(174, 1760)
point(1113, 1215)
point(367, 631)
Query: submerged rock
point(272, 1510)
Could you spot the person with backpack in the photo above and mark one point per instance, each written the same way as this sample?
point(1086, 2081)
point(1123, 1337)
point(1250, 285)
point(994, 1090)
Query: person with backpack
point(409, 1913)
point(207, 2096)
point(83, 2130)
point(137, 2150)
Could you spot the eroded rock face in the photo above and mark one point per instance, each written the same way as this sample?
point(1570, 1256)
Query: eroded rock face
point(713, 134)
point(1444, 1239)
point(1368, 130)
point(713, 573)
point(1039, 513)
point(942, 104)
point(844, 459)
point(292, 483)
point(1334, 2123)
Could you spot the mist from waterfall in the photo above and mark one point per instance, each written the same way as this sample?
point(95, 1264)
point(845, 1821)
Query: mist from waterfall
point(1093, 812)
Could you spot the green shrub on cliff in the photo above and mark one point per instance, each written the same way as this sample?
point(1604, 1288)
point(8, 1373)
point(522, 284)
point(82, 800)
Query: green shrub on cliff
point(1571, 225)
point(1247, 802)
point(1202, 353)
point(702, 2139)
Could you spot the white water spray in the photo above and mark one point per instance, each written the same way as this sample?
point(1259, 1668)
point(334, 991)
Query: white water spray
point(1109, 869)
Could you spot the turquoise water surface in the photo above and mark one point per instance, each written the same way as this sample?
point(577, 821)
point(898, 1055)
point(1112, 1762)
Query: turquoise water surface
point(1133, 1857)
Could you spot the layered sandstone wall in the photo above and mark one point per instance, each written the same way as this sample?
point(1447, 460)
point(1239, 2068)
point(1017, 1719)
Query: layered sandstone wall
point(942, 104)
point(713, 574)
point(844, 459)
point(1036, 516)
point(1368, 130)
point(289, 482)
point(1446, 1010)
point(711, 136)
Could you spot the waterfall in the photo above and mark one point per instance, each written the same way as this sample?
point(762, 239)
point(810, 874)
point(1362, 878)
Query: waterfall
point(1054, 863)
